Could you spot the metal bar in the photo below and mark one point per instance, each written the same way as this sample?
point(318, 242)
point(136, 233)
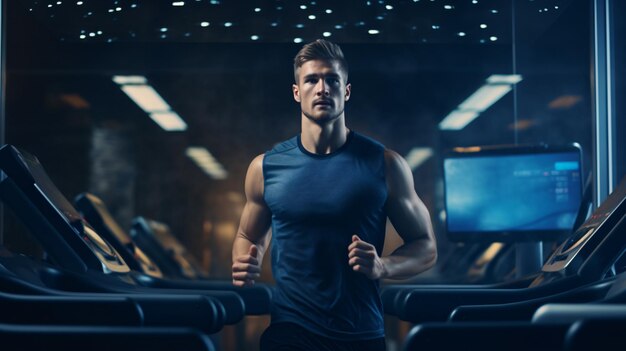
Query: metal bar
point(3, 70)
point(601, 135)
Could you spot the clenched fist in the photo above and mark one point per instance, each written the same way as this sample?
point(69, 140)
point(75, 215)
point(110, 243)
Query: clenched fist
point(246, 268)
point(363, 258)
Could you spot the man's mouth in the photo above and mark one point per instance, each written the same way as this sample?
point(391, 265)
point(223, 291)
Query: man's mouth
point(323, 103)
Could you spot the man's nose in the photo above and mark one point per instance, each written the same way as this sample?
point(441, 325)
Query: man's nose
point(322, 88)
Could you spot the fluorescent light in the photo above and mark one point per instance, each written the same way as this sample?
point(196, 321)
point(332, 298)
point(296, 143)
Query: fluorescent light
point(484, 97)
point(496, 87)
point(146, 97)
point(130, 80)
point(504, 79)
point(417, 156)
point(203, 159)
point(457, 120)
point(150, 101)
point(169, 121)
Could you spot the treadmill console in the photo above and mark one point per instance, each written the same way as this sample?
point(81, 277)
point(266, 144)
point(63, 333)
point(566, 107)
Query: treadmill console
point(96, 213)
point(53, 221)
point(511, 193)
point(591, 232)
point(157, 240)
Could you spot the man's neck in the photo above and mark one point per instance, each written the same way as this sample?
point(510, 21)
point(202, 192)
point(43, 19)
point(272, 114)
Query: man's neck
point(323, 138)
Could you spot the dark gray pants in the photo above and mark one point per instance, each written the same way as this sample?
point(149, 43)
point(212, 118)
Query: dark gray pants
point(291, 336)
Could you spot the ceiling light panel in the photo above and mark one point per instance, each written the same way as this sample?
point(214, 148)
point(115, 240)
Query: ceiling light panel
point(484, 97)
point(496, 86)
point(504, 79)
point(206, 162)
point(146, 98)
point(121, 80)
point(457, 120)
point(169, 121)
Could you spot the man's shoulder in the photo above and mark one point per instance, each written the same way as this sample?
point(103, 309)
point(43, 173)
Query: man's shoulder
point(367, 142)
point(283, 146)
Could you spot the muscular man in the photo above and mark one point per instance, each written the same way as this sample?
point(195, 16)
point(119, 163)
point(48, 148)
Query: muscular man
point(326, 194)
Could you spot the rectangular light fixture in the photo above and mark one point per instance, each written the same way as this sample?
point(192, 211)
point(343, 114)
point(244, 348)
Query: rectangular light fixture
point(494, 89)
point(457, 120)
point(203, 159)
point(146, 97)
point(121, 80)
point(417, 156)
point(504, 79)
point(138, 89)
point(169, 121)
point(484, 97)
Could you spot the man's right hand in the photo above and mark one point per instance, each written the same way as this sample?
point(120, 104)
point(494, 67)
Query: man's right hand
point(246, 268)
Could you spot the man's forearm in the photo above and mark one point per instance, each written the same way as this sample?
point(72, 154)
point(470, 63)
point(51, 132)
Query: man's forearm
point(242, 244)
point(410, 259)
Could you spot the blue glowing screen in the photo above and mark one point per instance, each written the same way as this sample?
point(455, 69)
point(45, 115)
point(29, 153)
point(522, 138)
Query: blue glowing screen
point(512, 192)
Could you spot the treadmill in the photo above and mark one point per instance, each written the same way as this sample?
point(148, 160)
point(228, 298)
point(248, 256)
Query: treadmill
point(79, 338)
point(41, 288)
point(85, 262)
point(583, 258)
point(153, 250)
point(590, 317)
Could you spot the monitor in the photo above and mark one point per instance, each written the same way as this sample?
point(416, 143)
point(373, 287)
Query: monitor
point(512, 193)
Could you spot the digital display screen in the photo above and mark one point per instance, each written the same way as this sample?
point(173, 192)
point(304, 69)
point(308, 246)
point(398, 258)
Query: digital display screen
point(516, 193)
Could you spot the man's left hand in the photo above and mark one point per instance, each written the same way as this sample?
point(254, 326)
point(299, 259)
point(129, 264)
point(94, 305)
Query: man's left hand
point(363, 258)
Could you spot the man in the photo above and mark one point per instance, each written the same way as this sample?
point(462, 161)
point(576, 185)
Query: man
point(326, 195)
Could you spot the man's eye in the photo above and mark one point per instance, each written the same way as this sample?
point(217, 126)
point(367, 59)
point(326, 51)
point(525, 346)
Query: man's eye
point(333, 81)
point(311, 80)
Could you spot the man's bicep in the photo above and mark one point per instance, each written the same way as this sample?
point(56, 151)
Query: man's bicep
point(405, 210)
point(410, 218)
point(256, 216)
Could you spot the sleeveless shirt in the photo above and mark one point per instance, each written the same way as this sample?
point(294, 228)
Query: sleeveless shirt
point(317, 203)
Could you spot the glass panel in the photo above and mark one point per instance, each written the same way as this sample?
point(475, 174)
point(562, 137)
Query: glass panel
point(553, 100)
point(619, 47)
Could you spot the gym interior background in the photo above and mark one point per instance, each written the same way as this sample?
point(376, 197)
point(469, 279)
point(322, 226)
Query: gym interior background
point(225, 67)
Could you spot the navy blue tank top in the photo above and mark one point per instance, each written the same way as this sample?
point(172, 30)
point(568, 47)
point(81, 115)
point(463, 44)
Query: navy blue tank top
point(318, 202)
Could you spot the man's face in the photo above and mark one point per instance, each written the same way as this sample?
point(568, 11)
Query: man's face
point(321, 90)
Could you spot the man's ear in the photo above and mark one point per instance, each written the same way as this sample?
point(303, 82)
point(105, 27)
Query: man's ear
point(348, 89)
point(296, 92)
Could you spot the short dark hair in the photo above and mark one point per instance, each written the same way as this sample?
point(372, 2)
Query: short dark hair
point(319, 50)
